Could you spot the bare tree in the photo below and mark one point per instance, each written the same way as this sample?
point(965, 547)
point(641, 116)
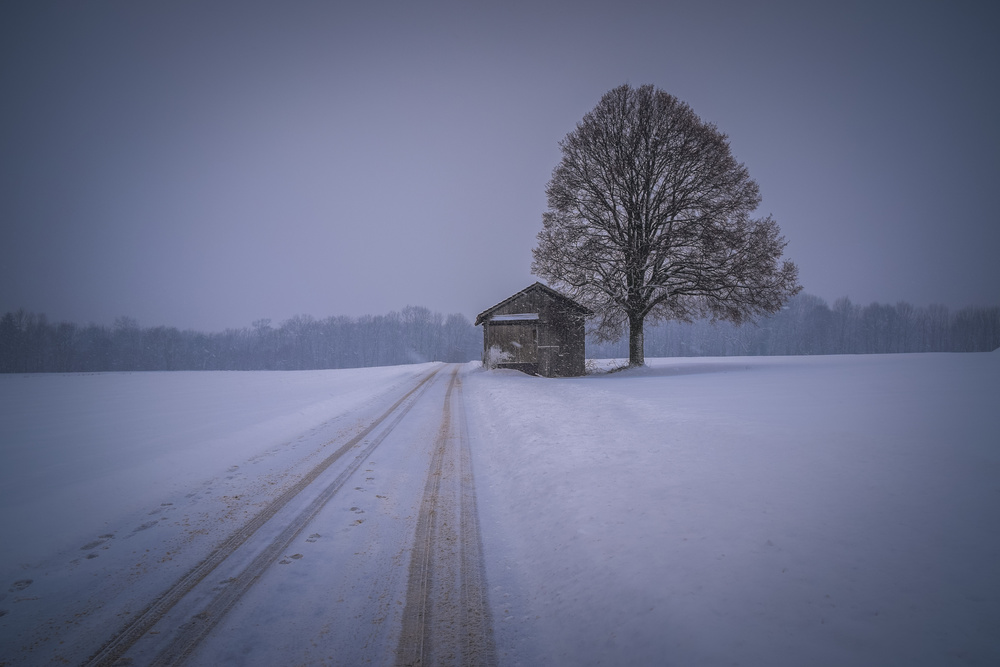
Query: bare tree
point(649, 217)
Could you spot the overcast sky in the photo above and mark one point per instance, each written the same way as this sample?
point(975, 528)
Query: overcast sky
point(206, 164)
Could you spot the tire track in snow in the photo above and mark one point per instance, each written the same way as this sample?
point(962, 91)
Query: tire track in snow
point(186, 637)
point(446, 619)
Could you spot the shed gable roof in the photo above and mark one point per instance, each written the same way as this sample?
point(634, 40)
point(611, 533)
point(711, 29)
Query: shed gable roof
point(544, 289)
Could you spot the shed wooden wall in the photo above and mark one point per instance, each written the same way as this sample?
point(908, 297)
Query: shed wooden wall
point(552, 345)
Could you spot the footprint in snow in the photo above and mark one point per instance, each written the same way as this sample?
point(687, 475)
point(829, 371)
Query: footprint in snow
point(313, 537)
point(96, 543)
point(145, 526)
point(163, 507)
point(20, 585)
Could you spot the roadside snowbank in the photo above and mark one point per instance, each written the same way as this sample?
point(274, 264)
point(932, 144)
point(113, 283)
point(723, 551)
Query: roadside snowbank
point(778, 511)
point(80, 452)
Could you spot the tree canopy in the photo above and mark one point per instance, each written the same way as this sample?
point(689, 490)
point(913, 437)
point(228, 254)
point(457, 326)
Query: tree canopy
point(649, 217)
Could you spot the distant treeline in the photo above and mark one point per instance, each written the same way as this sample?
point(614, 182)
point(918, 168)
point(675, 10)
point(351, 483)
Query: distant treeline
point(807, 325)
point(29, 343)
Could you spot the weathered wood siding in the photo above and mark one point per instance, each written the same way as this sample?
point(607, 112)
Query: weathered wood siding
point(552, 345)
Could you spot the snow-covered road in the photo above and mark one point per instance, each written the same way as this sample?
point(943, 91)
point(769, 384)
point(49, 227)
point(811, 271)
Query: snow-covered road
point(778, 511)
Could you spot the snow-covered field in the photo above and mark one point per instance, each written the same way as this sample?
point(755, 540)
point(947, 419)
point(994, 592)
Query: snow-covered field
point(714, 511)
point(754, 511)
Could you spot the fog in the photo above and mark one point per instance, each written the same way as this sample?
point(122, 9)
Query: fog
point(206, 166)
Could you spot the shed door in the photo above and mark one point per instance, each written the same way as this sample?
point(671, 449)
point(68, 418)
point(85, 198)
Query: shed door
point(547, 357)
point(519, 339)
point(523, 342)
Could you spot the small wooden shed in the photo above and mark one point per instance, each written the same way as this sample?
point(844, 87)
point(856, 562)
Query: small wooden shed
point(541, 330)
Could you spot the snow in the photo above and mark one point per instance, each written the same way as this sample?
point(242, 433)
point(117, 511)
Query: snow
point(81, 452)
point(516, 317)
point(758, 510)
point(778, 511)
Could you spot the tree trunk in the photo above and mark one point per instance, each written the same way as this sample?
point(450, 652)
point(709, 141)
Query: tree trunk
point(636, 349)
